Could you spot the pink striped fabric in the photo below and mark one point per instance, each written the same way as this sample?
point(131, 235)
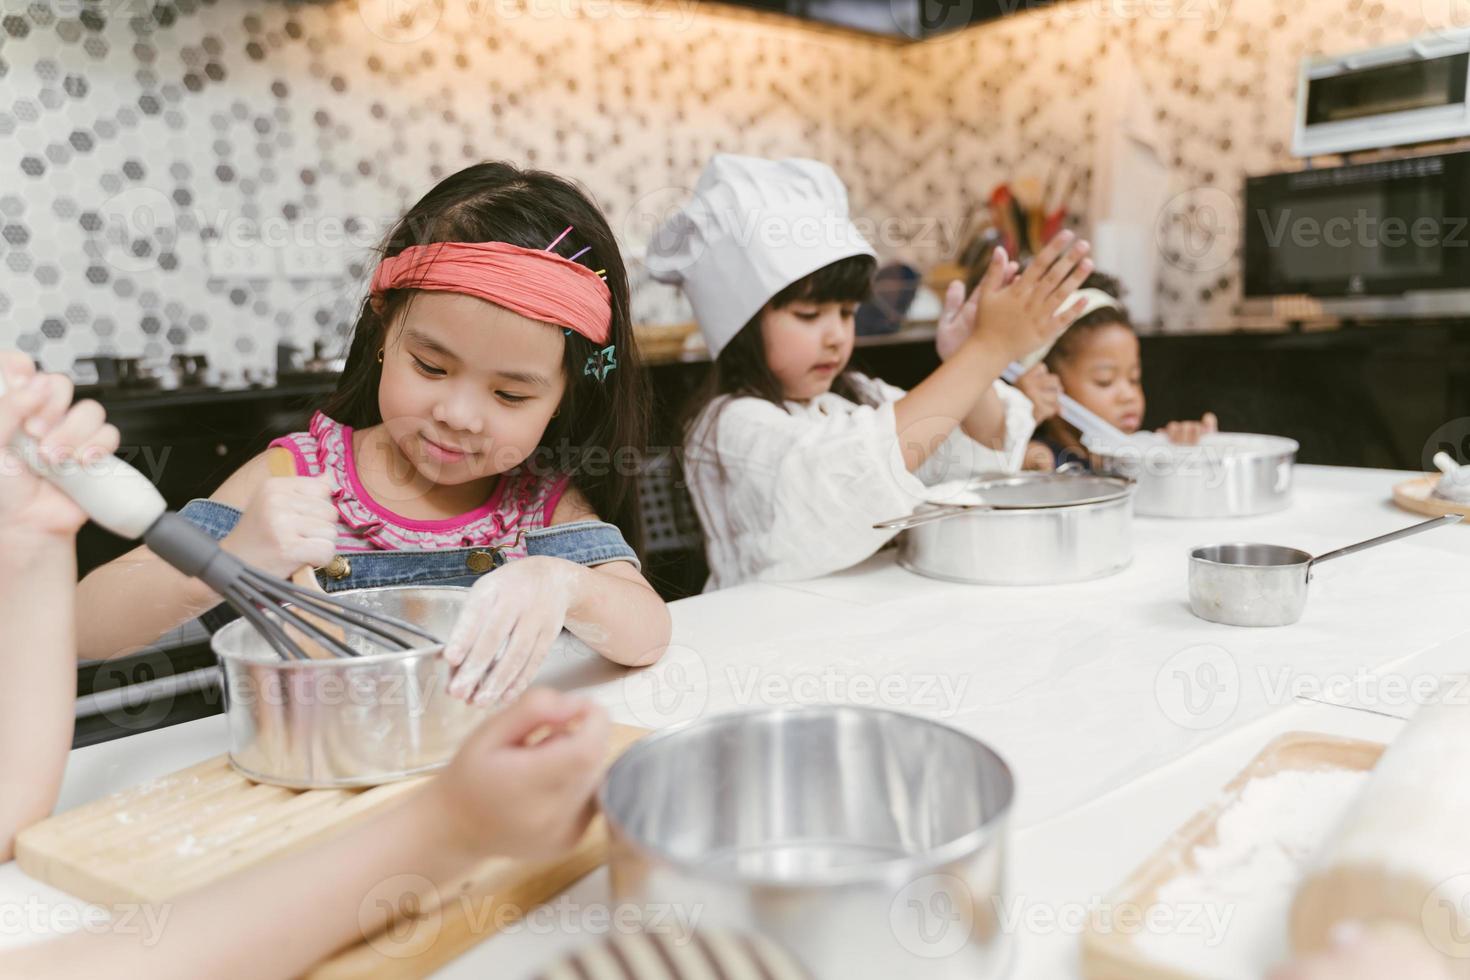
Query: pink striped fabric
point(522, 502)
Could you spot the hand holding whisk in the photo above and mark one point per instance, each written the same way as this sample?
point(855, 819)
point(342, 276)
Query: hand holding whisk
point(298, 623)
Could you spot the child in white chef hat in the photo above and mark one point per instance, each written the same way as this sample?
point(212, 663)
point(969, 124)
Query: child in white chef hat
point(791, 458)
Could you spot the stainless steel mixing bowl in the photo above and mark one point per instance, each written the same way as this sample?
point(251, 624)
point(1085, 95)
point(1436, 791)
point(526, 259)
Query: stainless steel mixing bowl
point(316, 724)
point(1229, 474)
point(869, 843)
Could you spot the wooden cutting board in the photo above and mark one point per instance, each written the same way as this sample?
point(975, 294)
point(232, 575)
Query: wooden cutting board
point(171, 835)
point(1417, 497)
point(1112, 955)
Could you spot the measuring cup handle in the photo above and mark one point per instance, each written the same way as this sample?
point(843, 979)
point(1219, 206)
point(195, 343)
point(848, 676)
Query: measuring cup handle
point(1384, 539)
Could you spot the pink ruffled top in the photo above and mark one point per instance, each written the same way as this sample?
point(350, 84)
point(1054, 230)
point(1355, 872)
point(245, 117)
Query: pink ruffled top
point(522, 501)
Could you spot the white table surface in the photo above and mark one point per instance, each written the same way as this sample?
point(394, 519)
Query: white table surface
point(1121, 713)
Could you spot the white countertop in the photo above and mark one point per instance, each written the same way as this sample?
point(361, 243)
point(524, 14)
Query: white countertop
point(1121, 713)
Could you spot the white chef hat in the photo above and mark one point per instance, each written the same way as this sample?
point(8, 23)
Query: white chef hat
point(753, 227)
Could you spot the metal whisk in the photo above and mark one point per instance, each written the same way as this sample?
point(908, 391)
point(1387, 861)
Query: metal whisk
point(291, 618)
point(295, 621)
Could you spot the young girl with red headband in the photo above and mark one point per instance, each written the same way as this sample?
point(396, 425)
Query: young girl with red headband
point(521, 786)
point(490, 418)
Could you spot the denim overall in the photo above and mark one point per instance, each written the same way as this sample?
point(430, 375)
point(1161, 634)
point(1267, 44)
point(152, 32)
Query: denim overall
point(584, 542)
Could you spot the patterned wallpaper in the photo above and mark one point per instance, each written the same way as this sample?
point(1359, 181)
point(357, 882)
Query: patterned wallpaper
point(1217, 77)
point(209, 177)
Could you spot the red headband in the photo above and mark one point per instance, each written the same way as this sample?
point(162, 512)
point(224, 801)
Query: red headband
point(539, 284)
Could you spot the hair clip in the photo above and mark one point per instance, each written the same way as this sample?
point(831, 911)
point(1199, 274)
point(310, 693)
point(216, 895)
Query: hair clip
point(567, 231)
point(602, 363)
point(580, 254)
point(566, 331)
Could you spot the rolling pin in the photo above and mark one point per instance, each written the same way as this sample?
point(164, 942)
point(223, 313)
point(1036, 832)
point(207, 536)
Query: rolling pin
point(1401, 854)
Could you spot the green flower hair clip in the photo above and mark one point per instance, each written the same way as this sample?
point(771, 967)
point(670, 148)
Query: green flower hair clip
point(602, 363)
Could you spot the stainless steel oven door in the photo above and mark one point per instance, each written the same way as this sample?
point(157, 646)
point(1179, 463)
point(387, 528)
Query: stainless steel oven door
point(1414, 92)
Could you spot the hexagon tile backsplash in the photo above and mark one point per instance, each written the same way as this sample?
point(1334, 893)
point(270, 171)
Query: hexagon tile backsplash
point(211, 176)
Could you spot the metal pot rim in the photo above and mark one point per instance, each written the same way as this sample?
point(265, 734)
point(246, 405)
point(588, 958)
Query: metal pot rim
point(1089, 504)
point(344, 782)
point(1271, 447)
point(1195, 555)
point(335, 662)
point(324, 664)
point(889, 869)
point(1123, 486)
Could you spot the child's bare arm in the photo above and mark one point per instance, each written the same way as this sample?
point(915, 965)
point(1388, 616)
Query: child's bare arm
point(929, 413)
point(37, 698)
point(986, 423)
point(132, 601)
point(500, 795)
point(1014, 317)
point(271, 921)
point(616, 611)
point(38, 526)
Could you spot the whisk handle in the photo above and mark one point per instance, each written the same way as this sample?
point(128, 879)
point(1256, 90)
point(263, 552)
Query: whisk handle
point(193, 552)
point(113, 493)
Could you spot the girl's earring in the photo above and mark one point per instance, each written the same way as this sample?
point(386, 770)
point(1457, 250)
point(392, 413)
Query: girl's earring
point(380, 355)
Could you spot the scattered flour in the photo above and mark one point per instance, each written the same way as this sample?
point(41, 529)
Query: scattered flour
point(1248, 877)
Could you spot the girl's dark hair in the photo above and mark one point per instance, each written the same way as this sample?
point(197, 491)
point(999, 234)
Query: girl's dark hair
point(1069, 341)
point(600, 434)
point(741, 369)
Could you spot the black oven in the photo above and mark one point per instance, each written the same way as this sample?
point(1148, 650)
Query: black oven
point(1391, 237)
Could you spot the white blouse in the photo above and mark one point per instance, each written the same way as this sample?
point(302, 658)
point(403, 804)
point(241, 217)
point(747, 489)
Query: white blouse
point(794, 494)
